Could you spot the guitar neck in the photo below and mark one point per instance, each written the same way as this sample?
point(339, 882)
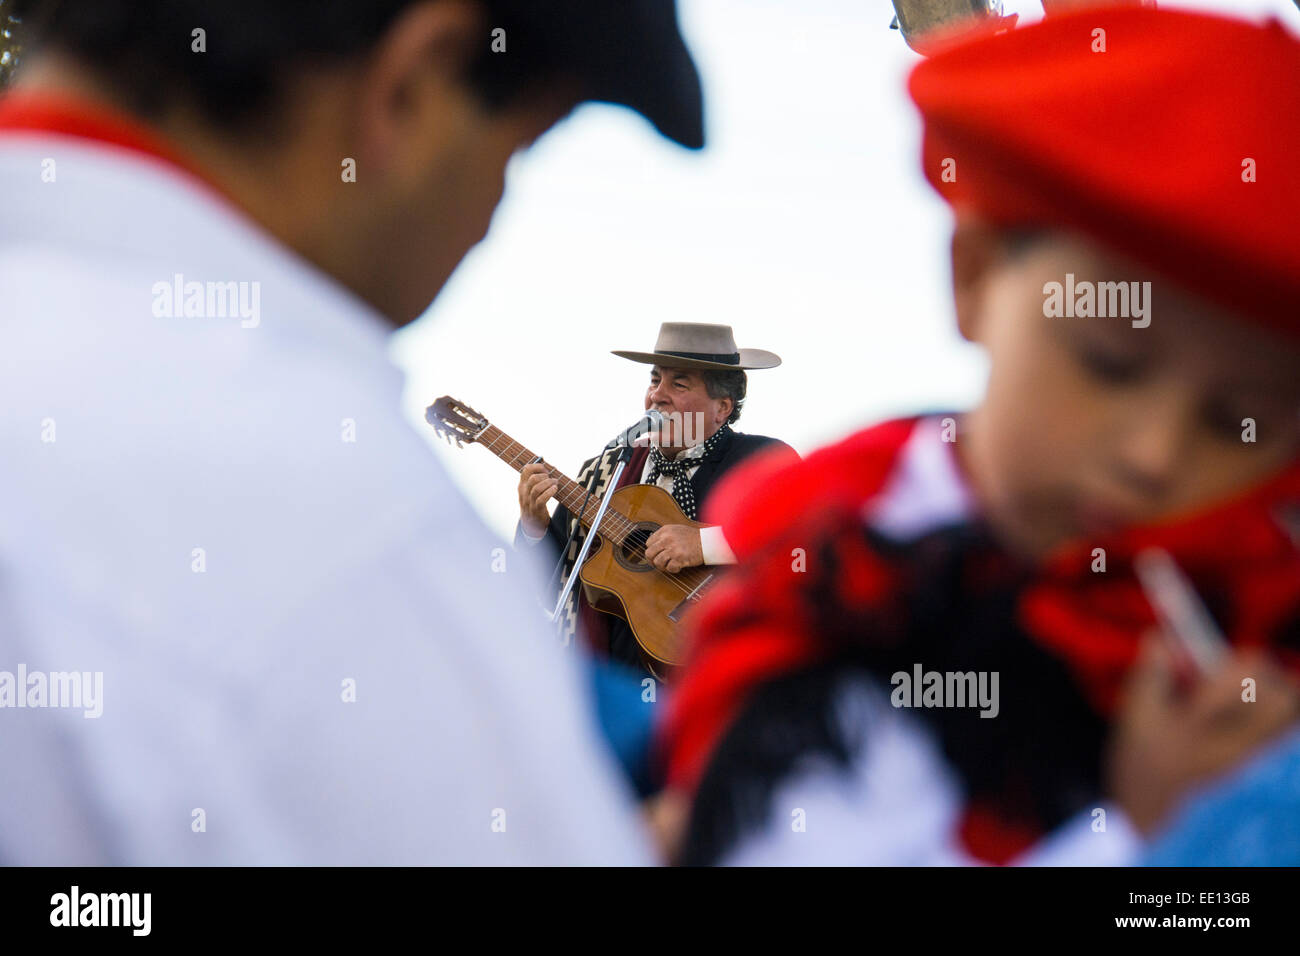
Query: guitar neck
point(570, 494)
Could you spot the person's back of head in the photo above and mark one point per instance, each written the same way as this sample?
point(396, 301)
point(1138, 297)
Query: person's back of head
point(370, 137)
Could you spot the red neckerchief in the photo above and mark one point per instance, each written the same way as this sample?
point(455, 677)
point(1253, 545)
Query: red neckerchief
point(753, 625)
point(28, 112)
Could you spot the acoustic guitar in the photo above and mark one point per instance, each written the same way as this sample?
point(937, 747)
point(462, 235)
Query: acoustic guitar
point(616, 577)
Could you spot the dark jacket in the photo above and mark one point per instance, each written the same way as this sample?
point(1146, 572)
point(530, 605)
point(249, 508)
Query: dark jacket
point(613, 634)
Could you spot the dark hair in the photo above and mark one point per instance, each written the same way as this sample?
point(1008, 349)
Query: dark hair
point(731, 383)
point(9, 47)
point(143, 48)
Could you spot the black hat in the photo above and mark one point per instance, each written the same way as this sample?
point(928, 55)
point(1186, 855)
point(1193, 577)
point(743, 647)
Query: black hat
point(628, 52)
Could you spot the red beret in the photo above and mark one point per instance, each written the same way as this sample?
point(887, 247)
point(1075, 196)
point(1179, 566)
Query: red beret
point(1179, 145)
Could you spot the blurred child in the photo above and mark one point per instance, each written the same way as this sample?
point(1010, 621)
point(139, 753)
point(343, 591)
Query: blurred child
point(923, 656)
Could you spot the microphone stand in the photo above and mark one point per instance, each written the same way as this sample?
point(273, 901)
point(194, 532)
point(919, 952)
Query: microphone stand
point(624, 456)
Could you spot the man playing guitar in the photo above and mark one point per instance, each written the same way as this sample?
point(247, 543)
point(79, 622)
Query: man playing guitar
point(698, 383)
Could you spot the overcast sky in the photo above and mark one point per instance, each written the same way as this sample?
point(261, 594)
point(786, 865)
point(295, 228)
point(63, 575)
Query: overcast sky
point(805, 224)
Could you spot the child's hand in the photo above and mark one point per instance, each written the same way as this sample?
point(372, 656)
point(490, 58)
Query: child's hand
point(1166, 739)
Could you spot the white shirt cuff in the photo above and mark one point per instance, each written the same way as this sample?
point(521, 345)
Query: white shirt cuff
point(528, 537)
point(714, 547)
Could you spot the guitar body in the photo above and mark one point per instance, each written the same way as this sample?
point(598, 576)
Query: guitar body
point(617, 580)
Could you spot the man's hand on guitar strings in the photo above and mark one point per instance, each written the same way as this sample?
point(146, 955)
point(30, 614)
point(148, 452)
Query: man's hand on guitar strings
point(674, 547)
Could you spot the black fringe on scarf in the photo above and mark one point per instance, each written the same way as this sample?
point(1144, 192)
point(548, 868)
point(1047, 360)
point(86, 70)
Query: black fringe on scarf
point(1036, 764)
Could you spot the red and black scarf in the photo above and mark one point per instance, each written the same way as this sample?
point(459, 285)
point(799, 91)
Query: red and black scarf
point(1063, 635)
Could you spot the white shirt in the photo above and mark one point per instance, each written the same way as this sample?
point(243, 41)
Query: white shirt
point(899, 803)
point(185, 513)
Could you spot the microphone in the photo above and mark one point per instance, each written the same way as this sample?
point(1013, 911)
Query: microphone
point(651, 421)
point(917, 19)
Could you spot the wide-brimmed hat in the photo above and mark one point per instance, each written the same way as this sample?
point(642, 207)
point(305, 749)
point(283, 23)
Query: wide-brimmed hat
point(699, 345)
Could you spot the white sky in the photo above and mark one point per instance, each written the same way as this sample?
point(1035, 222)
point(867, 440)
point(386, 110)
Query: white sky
point(805, 224)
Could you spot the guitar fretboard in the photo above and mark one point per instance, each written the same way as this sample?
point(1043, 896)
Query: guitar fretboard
point(572, 495)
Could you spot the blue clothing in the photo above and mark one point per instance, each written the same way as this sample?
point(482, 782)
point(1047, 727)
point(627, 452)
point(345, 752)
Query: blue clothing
point(626, 717)
point(1251, 818)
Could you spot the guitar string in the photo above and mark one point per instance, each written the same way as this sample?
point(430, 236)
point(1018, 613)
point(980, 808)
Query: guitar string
point(615, 518)
point(686, 587)
point(620, 524)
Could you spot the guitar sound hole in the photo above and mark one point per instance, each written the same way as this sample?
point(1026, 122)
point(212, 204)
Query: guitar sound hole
point(632, 553)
